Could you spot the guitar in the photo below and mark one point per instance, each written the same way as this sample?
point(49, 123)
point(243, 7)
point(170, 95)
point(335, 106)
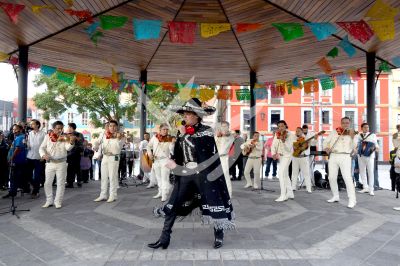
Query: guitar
point(302, 145)
point(249, 148)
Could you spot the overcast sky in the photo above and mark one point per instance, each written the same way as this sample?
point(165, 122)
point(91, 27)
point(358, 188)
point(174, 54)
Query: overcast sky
point(9, 85)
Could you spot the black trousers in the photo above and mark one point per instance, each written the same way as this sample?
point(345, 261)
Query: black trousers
point(239, 163)
point(35, 173)
point(130, 165)
point(4, 174)
point(274, 166)
point(16, 179)
point(74, 169)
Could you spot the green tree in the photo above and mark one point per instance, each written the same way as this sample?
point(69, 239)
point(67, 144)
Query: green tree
point(98, 102)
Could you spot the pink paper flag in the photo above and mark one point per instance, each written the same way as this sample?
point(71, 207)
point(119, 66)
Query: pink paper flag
point(360, 30)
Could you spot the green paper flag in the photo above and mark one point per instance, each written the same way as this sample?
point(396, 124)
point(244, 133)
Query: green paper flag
point(384, 67)
point(243, 94)
point(327, 83)
point(289, 31)
point(333, 53)
point(67, 77)
point(112, 22)
point(95, 37)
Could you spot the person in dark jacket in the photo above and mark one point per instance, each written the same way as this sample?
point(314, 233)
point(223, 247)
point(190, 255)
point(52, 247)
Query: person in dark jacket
point(74, 157)
point(236, 157)
point(3, 162)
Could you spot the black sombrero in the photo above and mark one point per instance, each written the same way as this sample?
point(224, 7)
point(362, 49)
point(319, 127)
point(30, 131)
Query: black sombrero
point(194, 105)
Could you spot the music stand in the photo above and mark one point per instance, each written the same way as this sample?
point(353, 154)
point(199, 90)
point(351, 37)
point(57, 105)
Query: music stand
point(262, 183)
point(13, 208)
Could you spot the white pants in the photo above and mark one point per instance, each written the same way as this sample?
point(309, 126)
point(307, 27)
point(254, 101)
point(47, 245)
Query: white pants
point(225, 168)
point(162, 176)
point(255, 164)
point(109, 175)
point(60, 171)
point(342, 161)
point(367, 164)
point(283, 175)
point(301, 165)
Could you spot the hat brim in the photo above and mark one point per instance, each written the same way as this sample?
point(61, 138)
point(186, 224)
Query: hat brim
point(199, 111)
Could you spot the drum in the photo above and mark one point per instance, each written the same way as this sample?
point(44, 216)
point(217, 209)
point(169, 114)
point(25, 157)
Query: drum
point(146, 163)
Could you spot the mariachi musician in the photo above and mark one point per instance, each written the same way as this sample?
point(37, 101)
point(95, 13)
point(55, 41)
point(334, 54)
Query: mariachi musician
point(54, 150)
point(253, 149)
point(159, 149)
point(224, 141)
point(367, 145)
point(300, 163)
point(282, 149)
point(340, 145)
point(111, 148)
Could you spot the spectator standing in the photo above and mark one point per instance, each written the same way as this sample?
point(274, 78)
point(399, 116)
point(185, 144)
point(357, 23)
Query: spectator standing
point(74, 158)
point(3, 162)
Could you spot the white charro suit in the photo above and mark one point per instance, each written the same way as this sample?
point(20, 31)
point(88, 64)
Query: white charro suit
point(301, 164)
point(367, 163)
point(224, 144)
point(253, 162)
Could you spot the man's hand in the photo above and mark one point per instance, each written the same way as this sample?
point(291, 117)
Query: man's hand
point(45, 157)
point(328, 150)
point(171, 164)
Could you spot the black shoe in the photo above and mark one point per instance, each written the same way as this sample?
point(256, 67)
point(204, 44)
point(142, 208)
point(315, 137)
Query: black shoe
point(6, 196)
point(79, 184)
point(69, 186)
point(218, 243)
point(34, 195)
point(159, 244)
point(86, 181)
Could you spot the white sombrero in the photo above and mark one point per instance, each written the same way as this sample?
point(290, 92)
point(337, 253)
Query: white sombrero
point(194, 105)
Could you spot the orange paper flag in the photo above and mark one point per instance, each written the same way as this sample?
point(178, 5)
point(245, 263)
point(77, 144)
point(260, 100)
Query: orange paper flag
point(325, 66)
point(83, 80)
point(243, 27)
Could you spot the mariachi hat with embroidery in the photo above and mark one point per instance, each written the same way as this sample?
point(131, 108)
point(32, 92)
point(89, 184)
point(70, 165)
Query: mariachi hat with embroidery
point(195, 106)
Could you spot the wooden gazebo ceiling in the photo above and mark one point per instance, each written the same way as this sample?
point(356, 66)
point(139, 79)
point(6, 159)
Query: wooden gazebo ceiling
point(217, 60)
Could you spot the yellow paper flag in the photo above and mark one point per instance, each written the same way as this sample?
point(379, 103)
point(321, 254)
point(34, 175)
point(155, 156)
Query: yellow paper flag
point(101, 82)
point(206, 94)
point(380, 10)
point(3, 56)
point(213, 29)
point(384, 29)
point(69, 2)
point(114, 75)
point(37, 9)
point(187, 93)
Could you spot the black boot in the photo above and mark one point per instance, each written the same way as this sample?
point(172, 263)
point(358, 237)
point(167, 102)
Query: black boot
point(165, 234)
point(219, 238)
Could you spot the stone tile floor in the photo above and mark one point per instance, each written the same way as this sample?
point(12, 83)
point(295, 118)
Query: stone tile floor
point(304, 231)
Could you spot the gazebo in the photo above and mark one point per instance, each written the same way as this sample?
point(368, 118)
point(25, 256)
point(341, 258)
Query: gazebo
point(52, 36)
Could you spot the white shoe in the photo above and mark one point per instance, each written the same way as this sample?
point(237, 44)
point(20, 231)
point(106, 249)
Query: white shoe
point(396, 208)
point(47, 204)
point(280, 199)
point(371, 193)
point(111, 199)
point(290, 195)
point(150, 186)
point(351, 205)
point(365, 190)
point(157, 196)
point(99, 199)
point(334, 199)
point(309, 191)
point(248, 185)
point(57, 205)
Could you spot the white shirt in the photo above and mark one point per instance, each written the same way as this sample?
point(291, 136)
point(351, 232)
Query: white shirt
point(257, 150)
point(129, 146)
point(160, 150)
point(112, 146)
point(371, 138)
point(55, 150)
point(224, 144)
point(143, 145)
point(396, 140)
point(345, 144)
point(35, 139)
point(312, 142)
point(284, 149)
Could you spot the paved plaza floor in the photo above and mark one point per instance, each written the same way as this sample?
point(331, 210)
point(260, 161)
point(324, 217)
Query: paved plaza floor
point(304, 231)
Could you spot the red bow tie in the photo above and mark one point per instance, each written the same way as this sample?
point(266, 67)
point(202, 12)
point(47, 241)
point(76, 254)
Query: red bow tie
point(189, 130)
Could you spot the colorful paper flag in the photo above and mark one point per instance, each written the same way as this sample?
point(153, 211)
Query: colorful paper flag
point(295, 82)
point(146, 29)
point(289, 31)
point(244, 27)
point(325, 66)
point(260, 93)
point(12, 10)
point(380, 10)
point(308, 84)
point(355, 74)
point(384, 66)
point(96, 36)
point(81, 14)
point(101, 83)
point(108, 22)
point(3, 56)
point(33, 66)
point(277, 89)
point(384, 29)
point(327, 83)
point(224, 94)
point(206, 94)
point(92, 28)
point(358, 29)
point(333, 53)
point(289, 87)
point(322, 30)
point(347, 47)
point(83, 80)
point(69, 2)
point(186, 94)
point(37, 9)
point(396, 61)
point(343, 79)
point(243, 95)
point(47, 70)
point(67, 77)
point(212, 29)
point(181, 32)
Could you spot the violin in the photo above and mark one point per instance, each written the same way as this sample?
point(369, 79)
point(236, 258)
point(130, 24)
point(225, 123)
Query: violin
point(115, 135)
point(346, 131)
point(61, 137)
point(282, 135)
point(166, 138)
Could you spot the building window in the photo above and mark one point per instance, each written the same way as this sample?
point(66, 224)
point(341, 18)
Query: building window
point(84, 118)
point(325, 117)
point(275, 117)
point(352, 116)
point(70, 118)
point(398, 96)
point(307, 117)
point(349, 93)
point(246, 120)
